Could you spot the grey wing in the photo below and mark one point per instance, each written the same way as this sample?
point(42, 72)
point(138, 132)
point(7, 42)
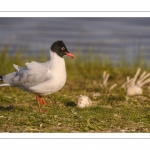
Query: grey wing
point(32, 75)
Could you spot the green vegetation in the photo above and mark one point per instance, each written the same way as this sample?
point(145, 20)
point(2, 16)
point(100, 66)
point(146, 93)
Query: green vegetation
point(110, 111)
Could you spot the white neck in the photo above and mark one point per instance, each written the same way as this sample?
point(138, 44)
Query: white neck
point(56, 62)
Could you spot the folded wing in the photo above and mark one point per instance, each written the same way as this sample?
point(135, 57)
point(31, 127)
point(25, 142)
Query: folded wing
point(32, 75)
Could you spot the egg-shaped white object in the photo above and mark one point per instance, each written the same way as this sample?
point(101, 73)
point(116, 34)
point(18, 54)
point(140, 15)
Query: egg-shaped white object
point(84, 101)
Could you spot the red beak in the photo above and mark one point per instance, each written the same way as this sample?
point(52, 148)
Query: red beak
point(70, 55)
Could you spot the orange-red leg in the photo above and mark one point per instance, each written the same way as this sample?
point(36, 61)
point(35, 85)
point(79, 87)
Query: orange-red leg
point(40, 99)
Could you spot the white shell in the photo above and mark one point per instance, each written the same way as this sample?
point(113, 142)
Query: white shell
point(84, 101)
point(134, 90)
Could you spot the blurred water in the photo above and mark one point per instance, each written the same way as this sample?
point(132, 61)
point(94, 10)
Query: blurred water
point(112, 37)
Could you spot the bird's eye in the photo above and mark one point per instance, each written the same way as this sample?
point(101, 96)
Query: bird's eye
point(63, 48)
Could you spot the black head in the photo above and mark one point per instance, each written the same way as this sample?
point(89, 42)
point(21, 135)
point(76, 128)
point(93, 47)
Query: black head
point(60, 48)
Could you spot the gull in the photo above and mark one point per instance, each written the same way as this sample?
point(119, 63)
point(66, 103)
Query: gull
point(41, 78)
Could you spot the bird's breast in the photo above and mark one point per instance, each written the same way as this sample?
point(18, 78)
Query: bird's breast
point(54, 84)
point(58, 80)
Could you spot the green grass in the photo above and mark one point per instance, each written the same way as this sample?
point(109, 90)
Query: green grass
point(110, 111)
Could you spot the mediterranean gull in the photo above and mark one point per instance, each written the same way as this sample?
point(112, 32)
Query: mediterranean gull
point(41, 78)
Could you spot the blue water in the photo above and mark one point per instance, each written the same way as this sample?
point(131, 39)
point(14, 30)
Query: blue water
point(111, 37)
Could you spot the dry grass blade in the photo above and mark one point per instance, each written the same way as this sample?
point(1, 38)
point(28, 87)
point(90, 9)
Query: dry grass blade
point(112, 87)
point(144, 82)
point(135, 77)
point(105, 79)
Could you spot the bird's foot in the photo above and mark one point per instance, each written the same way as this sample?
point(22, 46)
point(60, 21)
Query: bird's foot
point(41, 100)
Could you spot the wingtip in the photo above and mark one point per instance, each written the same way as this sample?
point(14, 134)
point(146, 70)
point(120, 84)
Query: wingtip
point(15, 66)
point(1, 78)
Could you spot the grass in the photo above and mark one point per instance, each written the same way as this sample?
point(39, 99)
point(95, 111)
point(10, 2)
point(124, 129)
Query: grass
point(110, 111)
